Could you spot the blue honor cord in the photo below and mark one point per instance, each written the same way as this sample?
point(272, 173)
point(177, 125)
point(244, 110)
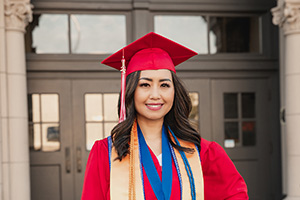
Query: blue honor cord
point(187, 167)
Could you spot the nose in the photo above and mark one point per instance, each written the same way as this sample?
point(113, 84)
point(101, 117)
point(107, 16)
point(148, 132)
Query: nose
point(155, 93)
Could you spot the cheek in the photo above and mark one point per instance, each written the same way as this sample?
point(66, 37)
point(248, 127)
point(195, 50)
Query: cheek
point(136, 95)
point(170, 97)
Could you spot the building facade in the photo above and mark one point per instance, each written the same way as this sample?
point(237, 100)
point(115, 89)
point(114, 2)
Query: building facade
point(56, 98)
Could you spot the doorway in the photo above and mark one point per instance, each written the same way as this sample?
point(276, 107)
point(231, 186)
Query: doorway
point(68, 115)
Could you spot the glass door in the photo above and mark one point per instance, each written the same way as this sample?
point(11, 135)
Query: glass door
point(50, 133)
point(66, 118)
point(94, 115)
point(240, 113)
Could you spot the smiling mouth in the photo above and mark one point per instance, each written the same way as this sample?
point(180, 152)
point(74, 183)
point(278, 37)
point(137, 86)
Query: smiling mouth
point(154, 106)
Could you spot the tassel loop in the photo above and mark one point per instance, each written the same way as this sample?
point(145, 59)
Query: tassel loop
point(122, 116)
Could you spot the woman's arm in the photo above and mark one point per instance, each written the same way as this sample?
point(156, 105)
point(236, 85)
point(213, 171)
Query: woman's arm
point(96, 180)
point(221, 179)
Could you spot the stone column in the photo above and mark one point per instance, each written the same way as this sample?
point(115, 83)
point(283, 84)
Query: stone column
point(2, 88)
point(16, 181)
point(287, 16)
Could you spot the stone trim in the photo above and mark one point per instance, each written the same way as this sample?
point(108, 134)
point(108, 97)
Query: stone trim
point(287, 16)
point(17, 14)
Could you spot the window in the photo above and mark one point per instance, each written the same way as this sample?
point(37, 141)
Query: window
point(209, 34)
point(88, 34)
point(44, 133)
point(239, 119)
point(191, 31)
point(100, 116)
point(234, 34)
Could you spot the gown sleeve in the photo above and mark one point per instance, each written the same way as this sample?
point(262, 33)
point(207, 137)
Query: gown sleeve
point(221, 178)
point(96, 180)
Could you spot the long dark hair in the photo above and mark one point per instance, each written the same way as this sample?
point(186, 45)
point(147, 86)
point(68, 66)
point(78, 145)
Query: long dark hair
point(176, 119)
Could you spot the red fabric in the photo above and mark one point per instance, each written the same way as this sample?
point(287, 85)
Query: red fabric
point(221, 179)
point(150, 59)
point(142, 54)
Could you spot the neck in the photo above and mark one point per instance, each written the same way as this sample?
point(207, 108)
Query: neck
point(152, 131)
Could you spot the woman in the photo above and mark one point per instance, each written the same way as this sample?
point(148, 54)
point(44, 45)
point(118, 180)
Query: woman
point(154, 153)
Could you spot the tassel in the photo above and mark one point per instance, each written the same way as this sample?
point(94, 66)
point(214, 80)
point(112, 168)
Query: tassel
point(123, 88)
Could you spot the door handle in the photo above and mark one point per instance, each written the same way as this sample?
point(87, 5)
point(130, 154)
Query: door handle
point(79, 160)
point(68, 159)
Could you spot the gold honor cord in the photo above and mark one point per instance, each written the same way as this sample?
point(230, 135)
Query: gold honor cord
point(132, 195)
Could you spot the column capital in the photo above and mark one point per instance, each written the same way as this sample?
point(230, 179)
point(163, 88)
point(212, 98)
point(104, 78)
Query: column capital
point(18, 13)
point(287, 16)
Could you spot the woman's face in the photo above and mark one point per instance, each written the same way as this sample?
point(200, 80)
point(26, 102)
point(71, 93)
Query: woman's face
point(154, 94)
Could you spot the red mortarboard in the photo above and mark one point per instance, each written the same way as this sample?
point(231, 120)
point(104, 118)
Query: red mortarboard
point(150, 52)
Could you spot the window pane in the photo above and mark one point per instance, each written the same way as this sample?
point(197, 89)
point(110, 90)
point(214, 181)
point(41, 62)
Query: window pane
point(94, 132)
point(111, 107)
point(93, 107)
point(230, 105)
point(248, 105)
point(191, 31)
point(232, 131)
point(49, 34)
point(29, 100)
point(35, 137)
point(97, 34)
point(234, 34)
point(49, 107)
point(34, 108)
point(108, 127)
point(249, 133)
point(50, 137)
point(43, 111)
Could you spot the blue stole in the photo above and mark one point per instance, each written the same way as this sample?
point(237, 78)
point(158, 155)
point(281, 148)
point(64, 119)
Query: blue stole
point(161, 188)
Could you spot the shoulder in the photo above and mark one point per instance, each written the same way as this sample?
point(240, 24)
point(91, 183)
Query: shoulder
point(101, 144)
point(99, 150)
point(96, 180)
point(98, 160)
point(211, 148)
point(221, 178)
point(212, 155)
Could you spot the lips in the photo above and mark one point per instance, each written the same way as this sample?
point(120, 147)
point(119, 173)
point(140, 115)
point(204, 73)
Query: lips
point(154, 106)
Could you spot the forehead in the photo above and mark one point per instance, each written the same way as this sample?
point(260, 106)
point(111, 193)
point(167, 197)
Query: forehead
point(159, 74)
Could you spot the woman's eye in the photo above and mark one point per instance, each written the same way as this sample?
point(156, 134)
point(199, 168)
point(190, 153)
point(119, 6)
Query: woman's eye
point(144, 85)
point(165, 85)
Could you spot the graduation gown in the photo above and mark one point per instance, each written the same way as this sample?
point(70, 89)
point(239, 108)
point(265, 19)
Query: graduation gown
point(221, 179)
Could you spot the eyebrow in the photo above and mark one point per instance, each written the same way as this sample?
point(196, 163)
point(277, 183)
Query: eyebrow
point(160, 80)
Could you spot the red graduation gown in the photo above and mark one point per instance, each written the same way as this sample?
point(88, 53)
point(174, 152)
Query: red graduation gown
point(221, 179)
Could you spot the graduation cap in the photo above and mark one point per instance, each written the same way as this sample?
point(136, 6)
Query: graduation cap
point(150, 52)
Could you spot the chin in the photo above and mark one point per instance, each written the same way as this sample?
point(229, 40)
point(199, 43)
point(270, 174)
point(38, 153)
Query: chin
point(152, 118)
